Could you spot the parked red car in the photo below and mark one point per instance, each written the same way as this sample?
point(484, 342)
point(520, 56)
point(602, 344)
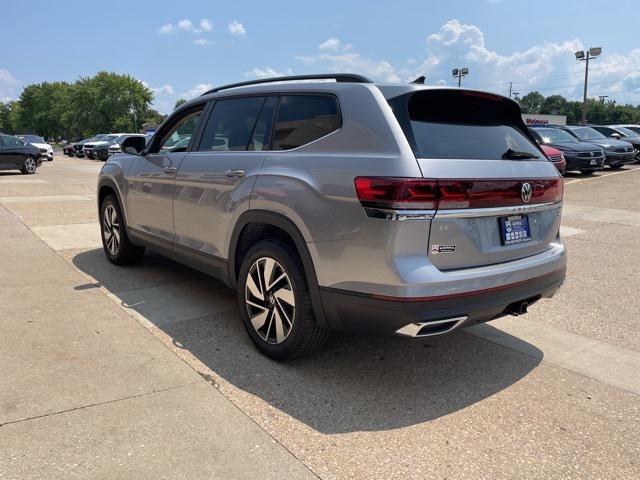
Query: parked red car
point(555, 156)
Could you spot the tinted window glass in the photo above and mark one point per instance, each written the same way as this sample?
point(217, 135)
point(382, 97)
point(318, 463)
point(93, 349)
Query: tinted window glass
point(462, 126)
point(555, 135)
point(262, 129)
point(31, 138)
point(303, 119)
point(586, 133)
point(178, 137)
point(230, 125)
point(10, 141)
point(606, 131)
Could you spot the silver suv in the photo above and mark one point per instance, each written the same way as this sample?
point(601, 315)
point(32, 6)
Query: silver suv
point(344, 205)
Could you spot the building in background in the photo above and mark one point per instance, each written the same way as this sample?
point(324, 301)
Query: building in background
point(538, 119)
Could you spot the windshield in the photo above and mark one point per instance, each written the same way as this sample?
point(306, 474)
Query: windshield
point(587, 134)
point(454, 125)
point(108, 138)
point(31, 138)
point(555, 135)
point(636, 130)
point(626, 131)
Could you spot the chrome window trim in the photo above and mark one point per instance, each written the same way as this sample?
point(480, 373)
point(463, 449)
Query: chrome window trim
point(497, 211)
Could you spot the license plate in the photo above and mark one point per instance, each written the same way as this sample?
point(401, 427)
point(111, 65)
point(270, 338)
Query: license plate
point(515, 229)
point(593, 162)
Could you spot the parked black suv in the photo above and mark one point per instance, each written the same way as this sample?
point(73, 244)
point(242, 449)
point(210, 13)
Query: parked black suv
point(617, 152)
point(581, 156)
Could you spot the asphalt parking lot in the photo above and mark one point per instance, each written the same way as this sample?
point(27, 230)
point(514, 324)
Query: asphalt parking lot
point(146, 372)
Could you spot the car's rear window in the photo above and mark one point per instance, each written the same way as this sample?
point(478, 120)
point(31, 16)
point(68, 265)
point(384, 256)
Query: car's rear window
point(463, 125)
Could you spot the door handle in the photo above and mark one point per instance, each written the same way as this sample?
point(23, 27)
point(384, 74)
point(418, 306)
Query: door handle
point(234, 173)
point(170, 170)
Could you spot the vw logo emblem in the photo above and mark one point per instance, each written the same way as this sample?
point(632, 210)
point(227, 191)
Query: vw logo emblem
point(526, 192)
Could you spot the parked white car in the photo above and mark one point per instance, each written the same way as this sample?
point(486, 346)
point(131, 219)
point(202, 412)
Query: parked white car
point(46, 150)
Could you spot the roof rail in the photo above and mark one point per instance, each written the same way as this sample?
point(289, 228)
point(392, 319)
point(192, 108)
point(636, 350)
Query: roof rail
point(338, 77)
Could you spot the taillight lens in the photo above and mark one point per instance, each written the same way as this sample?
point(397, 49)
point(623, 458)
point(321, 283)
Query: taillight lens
point(397, 193)
point(430, 194)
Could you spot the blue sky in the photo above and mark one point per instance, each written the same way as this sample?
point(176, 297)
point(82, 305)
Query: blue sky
point(180, 48)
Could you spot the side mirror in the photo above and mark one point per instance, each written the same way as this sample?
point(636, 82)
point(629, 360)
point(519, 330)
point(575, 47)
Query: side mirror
point(616, 135)
point(133, 145)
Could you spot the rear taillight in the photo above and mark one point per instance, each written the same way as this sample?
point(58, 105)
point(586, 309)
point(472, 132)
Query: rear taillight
point(430, 194)
point(396, 193)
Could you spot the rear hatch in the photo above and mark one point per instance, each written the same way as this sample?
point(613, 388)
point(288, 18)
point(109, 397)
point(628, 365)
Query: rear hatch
point(498, 198)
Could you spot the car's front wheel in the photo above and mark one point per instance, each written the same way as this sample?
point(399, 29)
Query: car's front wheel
point(587, 172)
point(275, 304)
point(29, 166)
point(115, 241)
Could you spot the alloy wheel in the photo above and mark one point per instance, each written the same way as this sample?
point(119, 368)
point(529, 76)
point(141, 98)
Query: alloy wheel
point(270, 301)
point(111, 229)
point(30, 165)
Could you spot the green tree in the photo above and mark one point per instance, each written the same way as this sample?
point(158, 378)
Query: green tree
point(5, 123)
point(531, 102)
point(110, 101)
point(179, 102)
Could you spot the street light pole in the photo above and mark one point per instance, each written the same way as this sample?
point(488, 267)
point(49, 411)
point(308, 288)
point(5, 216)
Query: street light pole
point(582, 56)
point(459, 73)
point(586, 81)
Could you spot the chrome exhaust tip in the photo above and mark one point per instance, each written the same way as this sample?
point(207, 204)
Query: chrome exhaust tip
point(428, 329)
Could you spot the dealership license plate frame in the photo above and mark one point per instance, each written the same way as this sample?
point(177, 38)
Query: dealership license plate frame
point(515, 229)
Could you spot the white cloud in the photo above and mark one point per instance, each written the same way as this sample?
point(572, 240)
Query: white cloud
point(205, 25)
point(185, 25)
point(166, 29)
point(339, 57)
point(462, 45)
point(8, 85)
point(236, 28)
point(165, 89)
point(199, 89)
point(203, 42)
point(330, 44)
point(268, 72)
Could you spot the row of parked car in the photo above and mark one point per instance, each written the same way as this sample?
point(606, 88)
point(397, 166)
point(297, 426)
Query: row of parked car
point(23, 152)
point(589, 148)
point(100, 146)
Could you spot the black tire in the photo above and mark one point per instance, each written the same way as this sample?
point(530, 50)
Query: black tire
point(305, 336)
point(587, 172)
point(617, 166)
point(125, 253)
point(29, 166)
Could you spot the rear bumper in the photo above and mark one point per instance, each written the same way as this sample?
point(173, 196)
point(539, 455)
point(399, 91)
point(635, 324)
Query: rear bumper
point(379, 315)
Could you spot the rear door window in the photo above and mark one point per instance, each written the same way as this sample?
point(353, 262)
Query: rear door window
point(230, 125)
point(304, 118)
point(463, 125)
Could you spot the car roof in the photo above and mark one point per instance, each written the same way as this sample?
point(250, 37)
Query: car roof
point(283, 85)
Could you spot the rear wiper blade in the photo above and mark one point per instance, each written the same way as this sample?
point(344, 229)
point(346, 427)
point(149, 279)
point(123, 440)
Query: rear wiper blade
point(515, 155)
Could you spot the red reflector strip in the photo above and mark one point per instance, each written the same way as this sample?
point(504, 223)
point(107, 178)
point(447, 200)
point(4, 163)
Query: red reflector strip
point(430, 194)
point(454, 194)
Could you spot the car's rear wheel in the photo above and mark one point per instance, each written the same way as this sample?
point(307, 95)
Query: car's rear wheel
point(29, 166)
point(115, 241)
point(275, 304)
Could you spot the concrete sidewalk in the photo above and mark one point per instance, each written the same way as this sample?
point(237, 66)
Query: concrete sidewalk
point(85, 391)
